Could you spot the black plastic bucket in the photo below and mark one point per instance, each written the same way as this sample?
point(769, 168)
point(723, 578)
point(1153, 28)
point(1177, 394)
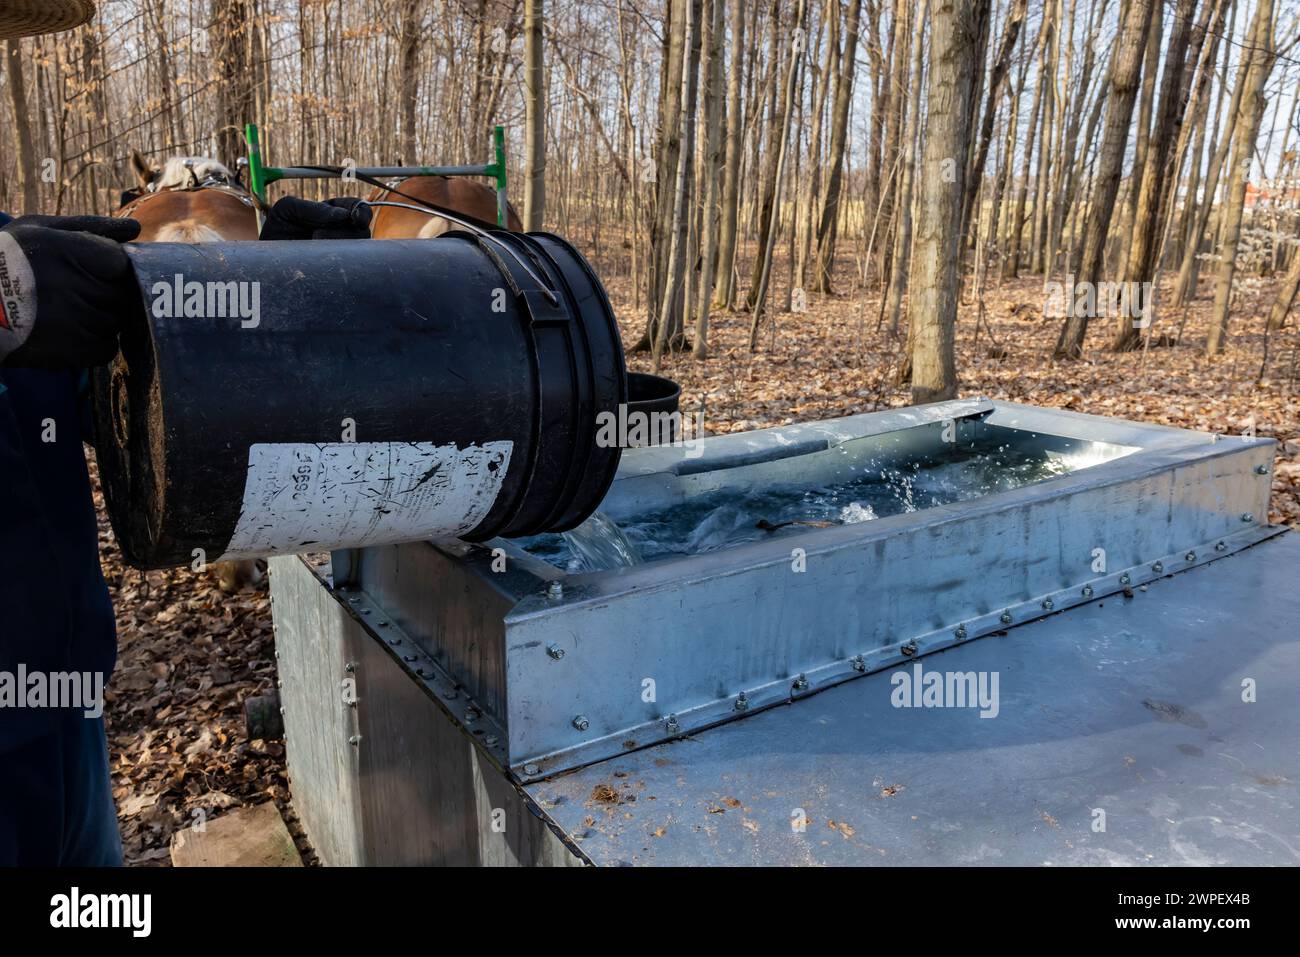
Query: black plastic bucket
point(382, 392)
point(656, 399)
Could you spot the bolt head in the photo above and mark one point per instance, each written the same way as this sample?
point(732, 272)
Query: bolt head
point(1124, 579)
point(859, 663)
point(960, 633)
point(671, 724)
point(530, 769)
point(555, 651)
point(1087, 591)
point(581, 723)
point(1261, 469)
point(742, 702)
point(1190, 556)
point(1048, 604)
point(491, 740)
point(1005, 618)
point(1247, 517)
point(800, 683)
point(555, 590)
point(1220, 547)
point(909, 649)
point(1158, 567)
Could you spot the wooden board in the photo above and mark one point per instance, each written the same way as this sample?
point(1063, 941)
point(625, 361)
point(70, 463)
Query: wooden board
point(247, 837)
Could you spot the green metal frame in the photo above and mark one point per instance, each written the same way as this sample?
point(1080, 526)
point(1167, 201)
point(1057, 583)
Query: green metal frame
point(260, 175)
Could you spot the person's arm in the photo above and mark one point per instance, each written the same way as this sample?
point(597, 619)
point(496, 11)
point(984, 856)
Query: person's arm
point(66, 286)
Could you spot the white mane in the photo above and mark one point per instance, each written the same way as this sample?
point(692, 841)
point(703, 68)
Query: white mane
point(182, 171)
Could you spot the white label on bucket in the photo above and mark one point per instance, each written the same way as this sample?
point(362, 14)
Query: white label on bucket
point(308, 497)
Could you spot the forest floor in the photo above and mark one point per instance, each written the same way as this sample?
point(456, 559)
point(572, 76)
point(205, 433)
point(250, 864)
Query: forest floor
point(190, 655)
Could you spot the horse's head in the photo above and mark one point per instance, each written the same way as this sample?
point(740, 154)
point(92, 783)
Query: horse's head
point(189, 199)
point(180, 172)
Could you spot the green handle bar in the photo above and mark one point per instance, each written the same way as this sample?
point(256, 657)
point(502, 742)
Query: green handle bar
point(260, 175)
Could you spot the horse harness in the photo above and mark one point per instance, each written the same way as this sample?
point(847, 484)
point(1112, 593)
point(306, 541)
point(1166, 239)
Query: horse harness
point(213, 179)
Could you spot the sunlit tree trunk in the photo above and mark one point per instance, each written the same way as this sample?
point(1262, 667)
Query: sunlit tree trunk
point(1261, 55)
point(935, 276)
point(534, 116)
point(1124, 76)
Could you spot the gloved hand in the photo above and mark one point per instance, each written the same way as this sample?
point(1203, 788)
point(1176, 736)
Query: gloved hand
point(66, 288)
point(292, 218)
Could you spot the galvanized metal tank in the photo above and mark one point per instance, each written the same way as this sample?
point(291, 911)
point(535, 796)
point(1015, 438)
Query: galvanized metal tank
point(543, 671)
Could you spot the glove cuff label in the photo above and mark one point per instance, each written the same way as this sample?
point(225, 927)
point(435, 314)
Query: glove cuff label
point(17, 296)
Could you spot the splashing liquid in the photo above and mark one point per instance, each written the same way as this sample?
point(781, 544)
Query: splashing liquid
point(730, 517)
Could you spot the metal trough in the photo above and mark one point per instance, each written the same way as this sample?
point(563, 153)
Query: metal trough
point(550, 670)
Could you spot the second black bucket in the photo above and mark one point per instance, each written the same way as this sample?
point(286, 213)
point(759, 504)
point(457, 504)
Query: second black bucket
point(656, 399)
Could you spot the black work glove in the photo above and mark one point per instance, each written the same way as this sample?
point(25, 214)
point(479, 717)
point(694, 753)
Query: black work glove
point(66, 288)
point(292, 218)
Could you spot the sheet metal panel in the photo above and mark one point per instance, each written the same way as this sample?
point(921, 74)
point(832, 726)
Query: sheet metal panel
point(380, 772)
point(707, 628)
point(563, 671)
point(1128, 706)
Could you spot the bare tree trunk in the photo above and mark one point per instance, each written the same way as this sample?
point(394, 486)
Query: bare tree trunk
point(935, 274)
point(724, 284)
point(1042, 182)
point(1159, 172)
point(409, 80)
point(758, 295)
point(892, 106)
point(232, 25)
point(828, 220)
point(1016, 228)
point(712, 172)
point(768, 209)
point(1286, 295)
point(534, 116)
point(1262, 54)
point(1146, 106)
point(667, 152)
point(676, 270)
point(1124, 76)
point(810, 193)
point(903, 235)
point(26, 165)
point(1010, 34)
point(1189, 269)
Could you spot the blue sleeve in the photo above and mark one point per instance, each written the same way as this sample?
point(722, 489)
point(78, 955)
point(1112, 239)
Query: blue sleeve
point(55, 609)
point(35, 625)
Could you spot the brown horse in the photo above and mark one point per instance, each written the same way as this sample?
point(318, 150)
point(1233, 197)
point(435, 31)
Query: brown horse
point(194, 200)
point(189, 199)
point(473, 199)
